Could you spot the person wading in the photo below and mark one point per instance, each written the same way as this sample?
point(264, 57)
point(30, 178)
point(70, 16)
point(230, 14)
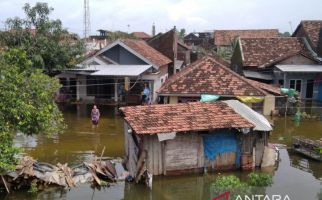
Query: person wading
point(95, 114)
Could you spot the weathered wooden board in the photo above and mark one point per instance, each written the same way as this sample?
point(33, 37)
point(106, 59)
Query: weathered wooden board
point(182, 152)
point(154, 154)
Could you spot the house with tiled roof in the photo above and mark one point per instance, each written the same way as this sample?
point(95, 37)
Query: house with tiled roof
point(284, 61)
point(118, 72)
point(311, 31)
point(170, 45)
point(211, 75)
point(141, 35)
point(224, 40)
point(192, 137)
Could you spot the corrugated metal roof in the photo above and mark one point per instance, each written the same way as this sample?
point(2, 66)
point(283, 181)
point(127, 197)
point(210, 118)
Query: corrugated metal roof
point(122, 70)
point(258, 75)
point(300, 68)
point(260, 122)
point(112, 70)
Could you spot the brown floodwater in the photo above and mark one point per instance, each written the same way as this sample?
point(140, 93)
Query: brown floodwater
point(296, 176)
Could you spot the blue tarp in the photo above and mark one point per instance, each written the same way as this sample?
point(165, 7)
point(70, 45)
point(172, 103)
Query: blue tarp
point(219, 142)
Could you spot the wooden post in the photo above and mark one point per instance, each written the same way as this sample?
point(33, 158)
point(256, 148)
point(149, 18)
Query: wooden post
point(115, 91)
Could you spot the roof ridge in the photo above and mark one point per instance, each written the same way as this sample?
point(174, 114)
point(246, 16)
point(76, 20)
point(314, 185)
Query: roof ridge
point(270, 38)
point(182, 73)
point(214, 61)
point(245, 29)
point(238, 76)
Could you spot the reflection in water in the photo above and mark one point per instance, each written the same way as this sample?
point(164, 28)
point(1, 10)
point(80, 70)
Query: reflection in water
point(296, 175)
point(80, 140)
point(293, 181)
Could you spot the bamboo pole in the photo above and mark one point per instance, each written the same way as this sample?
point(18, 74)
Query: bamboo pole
point(5, 184)
point(102, 153)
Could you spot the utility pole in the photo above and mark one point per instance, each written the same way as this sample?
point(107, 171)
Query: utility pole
point(87, 21)
point(153, 29)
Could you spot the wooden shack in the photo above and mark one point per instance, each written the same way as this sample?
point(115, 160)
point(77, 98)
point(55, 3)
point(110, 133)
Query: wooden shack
point(191, 137)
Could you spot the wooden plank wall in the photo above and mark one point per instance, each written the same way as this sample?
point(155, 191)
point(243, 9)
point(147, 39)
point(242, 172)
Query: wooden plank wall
point(223, 161)
point(186, 152)
point(131, 151)
point(255, 139)
point(154, 154)
point(182, 152)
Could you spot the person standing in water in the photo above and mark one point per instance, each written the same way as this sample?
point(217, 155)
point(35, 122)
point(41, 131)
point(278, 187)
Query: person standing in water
point(146, 94)
point(95, 114)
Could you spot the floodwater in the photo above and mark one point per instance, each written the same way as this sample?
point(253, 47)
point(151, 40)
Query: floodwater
point(296, 176)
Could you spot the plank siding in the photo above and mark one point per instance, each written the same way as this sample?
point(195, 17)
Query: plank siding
point(182, 152)
point(223, 161)
point(154, 157)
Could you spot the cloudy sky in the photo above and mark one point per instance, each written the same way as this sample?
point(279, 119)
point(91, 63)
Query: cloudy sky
point(193, 15)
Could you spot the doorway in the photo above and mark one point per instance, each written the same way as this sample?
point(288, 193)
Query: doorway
point(309, 88)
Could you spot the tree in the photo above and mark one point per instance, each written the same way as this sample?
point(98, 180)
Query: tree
point(285, 34)
point(182, 33)
point(120, 35)
point(26, 103)
point(46, 42)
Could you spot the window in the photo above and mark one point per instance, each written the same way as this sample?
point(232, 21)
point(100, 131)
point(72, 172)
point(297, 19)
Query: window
point(296, 84)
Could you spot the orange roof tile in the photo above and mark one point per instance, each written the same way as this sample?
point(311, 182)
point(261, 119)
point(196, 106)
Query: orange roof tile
point(311, 30)
point(265, 51)
point(147, 51)
point(266, 87)
point(196, 116)
point(209, 76)
point(141, 35)
point(226, 37)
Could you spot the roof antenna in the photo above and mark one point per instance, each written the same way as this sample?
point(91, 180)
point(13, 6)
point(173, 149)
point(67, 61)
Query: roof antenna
point(153, 29)
point(87, 22)
point(290, 22)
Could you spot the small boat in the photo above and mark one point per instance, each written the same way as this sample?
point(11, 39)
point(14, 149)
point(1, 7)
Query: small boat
point(308, 147)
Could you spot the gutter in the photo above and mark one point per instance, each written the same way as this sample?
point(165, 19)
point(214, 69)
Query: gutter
point(308, 46)
point(198, 95)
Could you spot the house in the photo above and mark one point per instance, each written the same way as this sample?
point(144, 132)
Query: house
point(193, 137)
point(224, 39)
point(202, 39)
point(311, 31)
point(199, 42)
point(170, 45)
point(262, 59)
point(211, 75)
point(141, 35)
point(118, 72)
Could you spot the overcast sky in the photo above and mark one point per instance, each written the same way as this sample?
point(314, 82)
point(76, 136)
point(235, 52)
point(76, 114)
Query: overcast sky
point(193, 15)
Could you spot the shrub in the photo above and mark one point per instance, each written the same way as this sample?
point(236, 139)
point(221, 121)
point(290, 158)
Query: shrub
point(259, 179)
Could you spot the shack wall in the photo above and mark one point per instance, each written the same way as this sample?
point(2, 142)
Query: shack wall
point(182, 153)
point(154, 148)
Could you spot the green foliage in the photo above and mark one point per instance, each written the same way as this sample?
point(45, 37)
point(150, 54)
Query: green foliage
point(33, 187)
point(285, 34)
point(259, 179)
point(7, 151)
point(104, 184)
point(48, 45)
point(182, 33)
point(120, 35)
point(225, 52)
point(230, 184)
point(26, 103)
point(233, 184)
point(319, 195)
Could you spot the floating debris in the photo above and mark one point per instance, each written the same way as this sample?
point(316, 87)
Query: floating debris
point(96, 171)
